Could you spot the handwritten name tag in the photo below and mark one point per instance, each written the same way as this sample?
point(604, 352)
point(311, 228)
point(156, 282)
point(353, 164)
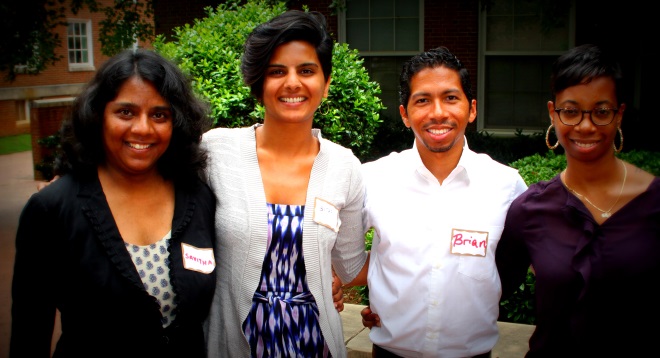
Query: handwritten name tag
point(326, 214)
point(469, 242)
point(197, 259)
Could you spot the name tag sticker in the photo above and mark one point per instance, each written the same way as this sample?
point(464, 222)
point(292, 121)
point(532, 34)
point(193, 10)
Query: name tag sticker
point(196, 259)
point(326, 214)
point(469, 242)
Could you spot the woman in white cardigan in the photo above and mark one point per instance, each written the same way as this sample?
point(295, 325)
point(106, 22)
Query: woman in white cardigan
point(289, 204)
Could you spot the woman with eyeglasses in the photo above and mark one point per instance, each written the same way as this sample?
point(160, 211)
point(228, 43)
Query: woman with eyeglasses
point(592, 233)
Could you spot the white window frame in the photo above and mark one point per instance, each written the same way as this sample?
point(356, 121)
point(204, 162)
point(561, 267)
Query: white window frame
point(483, 54)
point(89, 42)
point(341, 24)
point(389, 77)
point(24, 108)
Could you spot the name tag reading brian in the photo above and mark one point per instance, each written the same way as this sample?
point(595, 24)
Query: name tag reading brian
point(197, 259)
point(469, 242)
point(326, 214)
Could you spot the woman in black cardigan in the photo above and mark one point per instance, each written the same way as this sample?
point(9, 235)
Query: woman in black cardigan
point(123, 243)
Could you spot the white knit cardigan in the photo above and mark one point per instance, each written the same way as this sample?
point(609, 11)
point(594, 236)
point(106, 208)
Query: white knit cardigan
point(242, 228)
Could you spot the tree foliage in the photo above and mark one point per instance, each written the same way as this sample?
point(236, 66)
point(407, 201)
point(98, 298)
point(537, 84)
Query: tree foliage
point(210, 51)
point(29, 37)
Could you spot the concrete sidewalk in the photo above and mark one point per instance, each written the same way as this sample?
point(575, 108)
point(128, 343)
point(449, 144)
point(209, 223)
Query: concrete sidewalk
point(512, 343)
point(17, 184)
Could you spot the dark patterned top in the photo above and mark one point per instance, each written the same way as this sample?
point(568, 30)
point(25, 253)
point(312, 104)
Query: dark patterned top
point(283, 321)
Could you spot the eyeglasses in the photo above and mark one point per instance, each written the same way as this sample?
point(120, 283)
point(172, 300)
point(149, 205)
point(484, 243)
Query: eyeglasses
point(574, 116)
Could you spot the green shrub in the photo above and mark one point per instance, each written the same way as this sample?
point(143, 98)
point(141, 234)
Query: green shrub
point(537, 167)
point(363, 291)
point(210, 51)
point(50, 146)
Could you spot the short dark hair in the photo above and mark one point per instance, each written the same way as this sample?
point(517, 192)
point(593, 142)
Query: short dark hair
point(437, 57)
point(289, 26)
point(81, 133)
point(582, 64)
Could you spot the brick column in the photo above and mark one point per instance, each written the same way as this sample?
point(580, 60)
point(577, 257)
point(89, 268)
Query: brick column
point(46, 118)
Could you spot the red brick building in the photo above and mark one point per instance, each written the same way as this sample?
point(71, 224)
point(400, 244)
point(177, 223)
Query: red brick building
point(507, 45)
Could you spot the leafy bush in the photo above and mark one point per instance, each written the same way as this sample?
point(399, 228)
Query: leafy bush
point(50, 146)
point(362, 292)
point(537, 167)
point(519, 308)
point(210, 51)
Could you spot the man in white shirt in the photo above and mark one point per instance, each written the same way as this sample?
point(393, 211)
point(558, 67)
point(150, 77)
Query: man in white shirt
point(438, 211)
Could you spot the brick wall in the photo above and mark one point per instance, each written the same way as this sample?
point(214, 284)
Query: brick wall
point(454, 24)
point(56, 77)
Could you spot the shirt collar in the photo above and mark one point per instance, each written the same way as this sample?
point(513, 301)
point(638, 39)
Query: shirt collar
point(467, 164)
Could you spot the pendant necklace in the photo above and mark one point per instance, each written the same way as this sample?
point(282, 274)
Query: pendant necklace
point(604, 213)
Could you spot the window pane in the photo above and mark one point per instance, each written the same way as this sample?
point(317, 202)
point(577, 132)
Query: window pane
point(382, 8)
point(357, 8)
point(385, 71)
point(499, 74)
point(77, 43)
point(525, 7)
point(500, 7)
point(499, 31)
point(498, 110)
point(407, 34)
point(357, 34)
point(527, 33)
point(406, 8)
point(517, 89)
point(383, 39)
point(555, 39)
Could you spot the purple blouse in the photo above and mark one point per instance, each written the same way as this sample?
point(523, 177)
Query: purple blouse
point(596, 285)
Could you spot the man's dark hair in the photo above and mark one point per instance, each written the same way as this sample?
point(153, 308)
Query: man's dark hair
point(437, 57)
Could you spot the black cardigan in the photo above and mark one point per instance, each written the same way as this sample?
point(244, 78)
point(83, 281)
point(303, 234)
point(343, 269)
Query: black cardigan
point(71, 257)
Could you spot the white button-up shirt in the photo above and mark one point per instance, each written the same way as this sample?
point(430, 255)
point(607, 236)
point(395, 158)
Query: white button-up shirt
point(432, 275)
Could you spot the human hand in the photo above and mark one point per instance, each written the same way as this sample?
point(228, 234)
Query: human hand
point(337, 292)
point(43, 184)
point(369, 319)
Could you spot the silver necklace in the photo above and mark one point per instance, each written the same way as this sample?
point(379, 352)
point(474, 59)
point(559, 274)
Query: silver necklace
point(604, 213)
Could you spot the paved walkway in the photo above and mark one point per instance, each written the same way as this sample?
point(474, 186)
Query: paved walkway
point(512, 343)
point(17, 184)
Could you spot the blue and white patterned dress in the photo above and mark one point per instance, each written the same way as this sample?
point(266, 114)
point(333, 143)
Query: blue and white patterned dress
point(284, 318)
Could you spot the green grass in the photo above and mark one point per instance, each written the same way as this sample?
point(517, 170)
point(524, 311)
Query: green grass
point(15, 144)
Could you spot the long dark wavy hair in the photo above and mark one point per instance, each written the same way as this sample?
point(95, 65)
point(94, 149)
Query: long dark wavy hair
point(81, 134)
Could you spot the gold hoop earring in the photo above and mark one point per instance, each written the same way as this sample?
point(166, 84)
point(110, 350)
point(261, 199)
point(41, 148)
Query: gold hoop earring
point(547, 138)
point(324, 103)
point(618, 150)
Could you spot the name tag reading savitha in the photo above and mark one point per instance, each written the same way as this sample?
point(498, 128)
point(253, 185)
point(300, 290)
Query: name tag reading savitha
point(197, 259)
